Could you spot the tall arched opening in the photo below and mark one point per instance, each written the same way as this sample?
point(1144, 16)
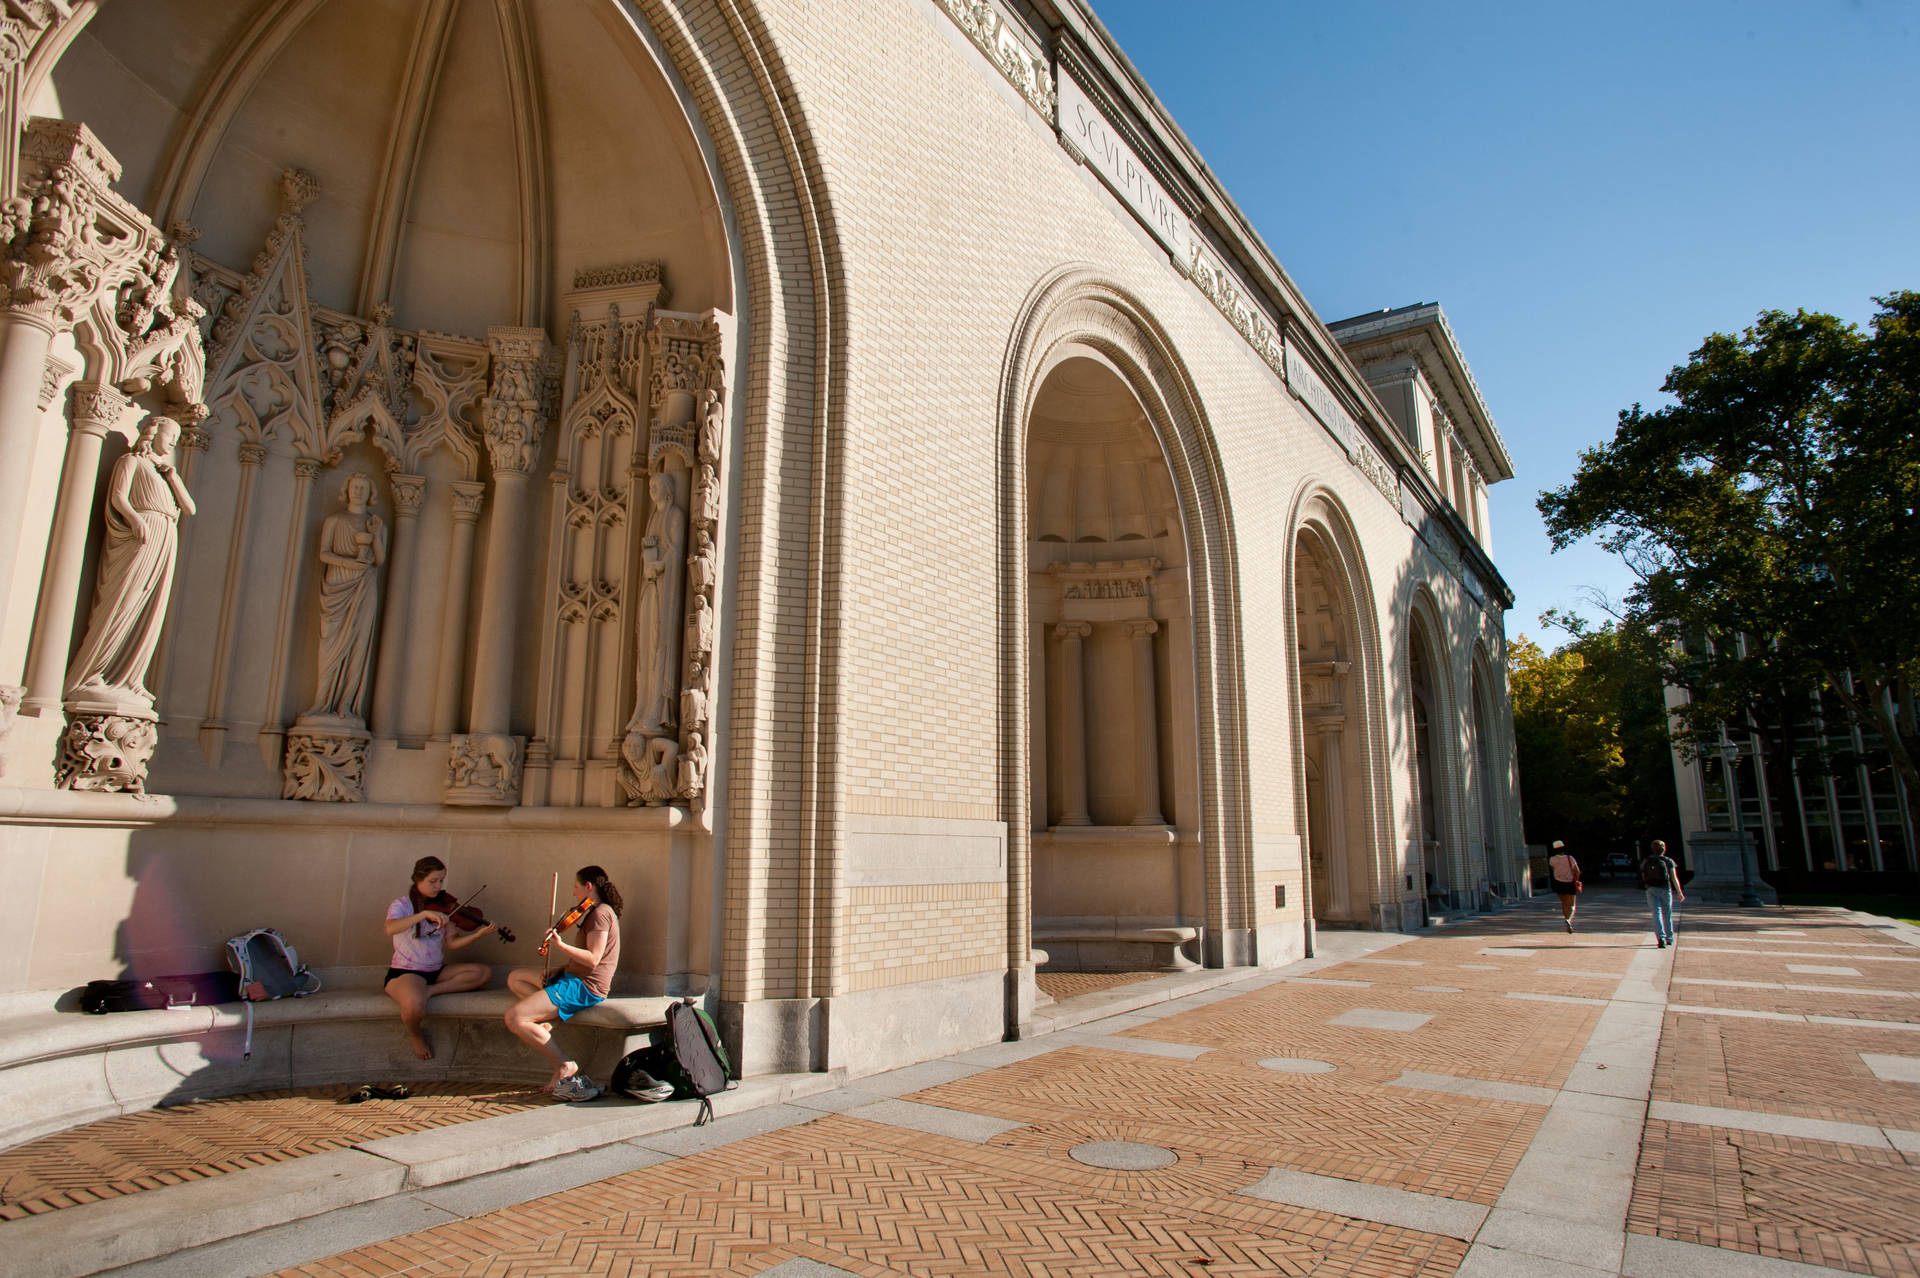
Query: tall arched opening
point(1440, 869)
point(1118, 880)
point(1333, 700)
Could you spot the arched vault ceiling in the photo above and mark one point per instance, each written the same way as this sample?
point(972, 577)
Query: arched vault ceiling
point(472, 155)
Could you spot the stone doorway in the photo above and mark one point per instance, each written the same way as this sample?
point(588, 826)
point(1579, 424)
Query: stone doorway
point(1117, 872)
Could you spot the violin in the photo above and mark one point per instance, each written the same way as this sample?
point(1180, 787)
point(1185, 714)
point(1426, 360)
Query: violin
point(568, 919)
point(466, 918)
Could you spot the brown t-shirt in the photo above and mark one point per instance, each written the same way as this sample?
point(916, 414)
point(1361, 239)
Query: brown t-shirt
point(600, 919)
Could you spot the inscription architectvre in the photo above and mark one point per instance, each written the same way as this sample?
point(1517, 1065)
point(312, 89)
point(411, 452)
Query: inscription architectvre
point(1320, 400)
point(1088, 134)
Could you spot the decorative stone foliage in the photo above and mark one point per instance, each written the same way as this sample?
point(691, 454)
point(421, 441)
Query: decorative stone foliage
point(329, 766)
point(106, 751)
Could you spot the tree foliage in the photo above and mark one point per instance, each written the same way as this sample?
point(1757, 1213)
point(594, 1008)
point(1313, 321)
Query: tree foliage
point(1589, 724)
point(1768, 515)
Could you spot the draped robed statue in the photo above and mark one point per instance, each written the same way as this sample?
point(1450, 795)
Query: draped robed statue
point(353, 545)
point(145, 499)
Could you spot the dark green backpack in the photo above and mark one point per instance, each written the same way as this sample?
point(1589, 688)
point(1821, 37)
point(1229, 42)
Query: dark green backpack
point(685, 1055)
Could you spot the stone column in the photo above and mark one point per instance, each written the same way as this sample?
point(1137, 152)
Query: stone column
point(467, 497)
point(25, 339)
point(1073, 728)
point(1146, 728)
point(1339, 872)
point(390, 673)
point(484, 763)
point(96, 409)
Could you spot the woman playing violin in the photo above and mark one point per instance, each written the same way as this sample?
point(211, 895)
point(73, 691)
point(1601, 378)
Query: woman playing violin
point(420, 942)
point(583, 980)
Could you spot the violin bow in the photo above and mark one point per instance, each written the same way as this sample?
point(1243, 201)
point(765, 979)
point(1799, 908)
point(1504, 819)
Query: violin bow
point(553, 900)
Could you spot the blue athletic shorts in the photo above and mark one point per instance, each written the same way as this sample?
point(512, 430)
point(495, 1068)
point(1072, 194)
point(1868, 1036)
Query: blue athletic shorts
point(570, 995)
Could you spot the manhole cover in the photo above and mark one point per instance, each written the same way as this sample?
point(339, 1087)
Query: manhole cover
point(1297, 1065)
point(1122, 1155)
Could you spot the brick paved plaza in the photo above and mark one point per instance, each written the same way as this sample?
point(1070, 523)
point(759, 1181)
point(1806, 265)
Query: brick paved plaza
point(1491, 1098)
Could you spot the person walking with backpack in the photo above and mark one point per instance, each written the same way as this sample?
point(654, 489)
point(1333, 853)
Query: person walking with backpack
point(1661, 878)
point(1565, 868)
point(583, 981)
point(419, 967)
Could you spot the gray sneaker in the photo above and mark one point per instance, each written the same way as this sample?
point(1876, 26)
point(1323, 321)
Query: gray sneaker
point(577, 1088)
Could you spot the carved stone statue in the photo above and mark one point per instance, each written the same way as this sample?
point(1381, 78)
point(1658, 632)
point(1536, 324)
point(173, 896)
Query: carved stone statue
point(145, 499)
point(710, 427)
point(699, 624)
point(657, 618)
point(353, 545)
point(701, 569)
point(693, 697)
point(708, 509)
point(693, 767)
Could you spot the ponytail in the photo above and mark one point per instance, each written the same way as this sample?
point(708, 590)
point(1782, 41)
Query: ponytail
point(603, 889)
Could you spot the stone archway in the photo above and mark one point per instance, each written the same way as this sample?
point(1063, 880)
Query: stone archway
point(1441, 874)
point(1075, 314)
point(1117, 874)
point(1333, 737)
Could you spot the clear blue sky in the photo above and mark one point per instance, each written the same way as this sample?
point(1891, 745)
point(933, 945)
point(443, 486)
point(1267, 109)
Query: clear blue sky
point(1588, 189)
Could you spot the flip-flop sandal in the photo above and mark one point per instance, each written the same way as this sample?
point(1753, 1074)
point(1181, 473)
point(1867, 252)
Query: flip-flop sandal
point(393, 1091)
point(357, 1095)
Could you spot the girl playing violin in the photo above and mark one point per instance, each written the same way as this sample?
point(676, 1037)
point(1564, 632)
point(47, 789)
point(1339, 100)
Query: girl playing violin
point(546, 997)
point(420, 943)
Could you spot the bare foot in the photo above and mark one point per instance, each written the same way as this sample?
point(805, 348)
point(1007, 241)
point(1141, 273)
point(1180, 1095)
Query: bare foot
point(421, 1048)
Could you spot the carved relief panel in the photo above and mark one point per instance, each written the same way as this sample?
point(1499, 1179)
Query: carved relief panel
point(599, 482)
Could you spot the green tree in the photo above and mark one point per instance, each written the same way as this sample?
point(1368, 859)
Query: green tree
point(1768, 514)
point(1589, 724)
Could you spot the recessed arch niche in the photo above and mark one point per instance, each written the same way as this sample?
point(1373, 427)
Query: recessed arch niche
point(1434, 783)
point(1114, 770)
point(1335, 732)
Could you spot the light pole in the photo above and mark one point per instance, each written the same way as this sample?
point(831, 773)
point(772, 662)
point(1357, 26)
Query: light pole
point(1729, 756)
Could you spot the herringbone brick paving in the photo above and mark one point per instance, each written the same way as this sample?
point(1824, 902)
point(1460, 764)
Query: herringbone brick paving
point(119, 1156)
point(1780, 1067)
point(1074, 984)
point(878, 1200)
point(1820, 1203)
point(1485, 1038)
point(1340, 1124)
point(881, 1200)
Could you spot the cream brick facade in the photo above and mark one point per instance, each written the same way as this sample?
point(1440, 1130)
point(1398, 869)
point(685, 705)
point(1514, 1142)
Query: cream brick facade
point(917, 710)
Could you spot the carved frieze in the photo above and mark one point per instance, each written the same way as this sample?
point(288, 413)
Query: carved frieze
point(1130, 579)
point(484, 769)
point(1378, 472)
point(1024, 67)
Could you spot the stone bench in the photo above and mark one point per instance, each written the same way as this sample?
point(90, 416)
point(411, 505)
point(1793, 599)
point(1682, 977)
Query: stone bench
point(1099, 946)
point(60, 1069)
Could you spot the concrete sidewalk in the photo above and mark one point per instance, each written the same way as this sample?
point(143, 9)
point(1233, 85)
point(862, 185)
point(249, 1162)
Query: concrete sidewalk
point(1492, 1098)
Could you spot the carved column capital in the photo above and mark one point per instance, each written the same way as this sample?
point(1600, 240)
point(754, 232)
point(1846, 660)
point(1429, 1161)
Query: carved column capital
point(1072, 630)
point(195, 439)
point(56, 261)
point(468, 497)
point(252, 454)
point(95, 408)
point(307, 468)
point(514, 413)
point(51, 375)
point(1140, 628)
point(408, 492)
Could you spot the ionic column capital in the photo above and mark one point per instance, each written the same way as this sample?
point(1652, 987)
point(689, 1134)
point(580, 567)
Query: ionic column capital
point(1072, 630)
point(1140, 627)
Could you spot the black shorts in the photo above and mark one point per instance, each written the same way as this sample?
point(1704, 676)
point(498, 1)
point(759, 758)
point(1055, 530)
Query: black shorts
point(1563, 888)
point(428, 977)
